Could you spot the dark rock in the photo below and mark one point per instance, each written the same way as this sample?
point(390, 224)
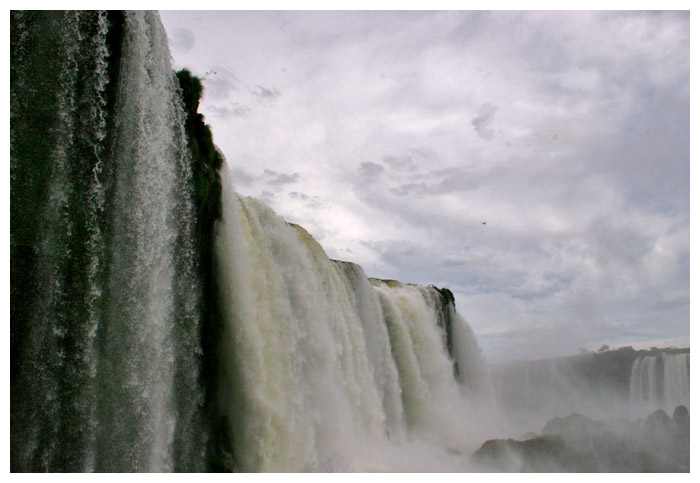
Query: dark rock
point(578, 443)
point(578, 429)
point(206, 164)
point(528, 435)
point(681, 417)
point(540, 454)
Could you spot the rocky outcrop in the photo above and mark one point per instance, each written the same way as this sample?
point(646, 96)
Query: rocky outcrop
point(206, 164)
point(577, 443)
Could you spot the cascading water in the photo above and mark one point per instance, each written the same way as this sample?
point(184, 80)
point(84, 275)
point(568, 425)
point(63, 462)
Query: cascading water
point(660, 382)
point(104, 289)
point(676, 379)
point(322, 370)
point(645, 389)
point(473, 374)
point(419, 324)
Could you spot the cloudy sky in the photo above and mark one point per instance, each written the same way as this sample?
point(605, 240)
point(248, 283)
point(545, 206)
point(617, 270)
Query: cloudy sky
point(536, 163)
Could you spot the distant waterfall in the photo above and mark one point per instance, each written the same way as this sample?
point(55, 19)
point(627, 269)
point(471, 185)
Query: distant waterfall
point(104, 290)
point(323, 370)
point(660, 381)
point(676, 388)
point(645, 382)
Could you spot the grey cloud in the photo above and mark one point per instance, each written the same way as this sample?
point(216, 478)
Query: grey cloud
point(313, 202)
point(532, 342)
point(416, 189)
point(428, 265)
point(240, 177)
point(266, 197)
point(265, 93)
point(554, 283)
point(472, 25)
point(236, 110)
point(403, 163)
point(453, 180)
point(614, 243)
point(683, 301)
point(240, 109)
point(219, 83)
point(481, 275)
point(278, 179)
point(423, 152)
point(370, 170)
point(468, 178)
point(483, 120)
point(299, 196)
point(182, 40)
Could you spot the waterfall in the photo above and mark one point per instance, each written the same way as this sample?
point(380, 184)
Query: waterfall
point(325, 369)
point(104, 289)
point(645, 387)
point(298, 372)
point(676, 385)
point(660, 382)
point(56, 200)
point(473, 374)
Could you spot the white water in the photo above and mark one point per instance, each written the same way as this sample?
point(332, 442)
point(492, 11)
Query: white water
point(153, 290)
point(109, 364)
point(325, 371)
point(660, 382)
point(473, 373)
point(676, 388)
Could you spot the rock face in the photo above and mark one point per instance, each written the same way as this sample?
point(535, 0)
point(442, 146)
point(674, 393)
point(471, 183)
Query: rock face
point(206, 163)
point(539, 454)
point(577, 443)
point(578, 429)
point(681, 416)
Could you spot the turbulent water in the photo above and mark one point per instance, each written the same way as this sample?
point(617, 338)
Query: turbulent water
point(326, 370)
point(104, 294)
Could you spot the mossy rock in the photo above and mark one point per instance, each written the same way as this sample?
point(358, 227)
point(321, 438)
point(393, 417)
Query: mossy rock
point(388, 282)
point(206, 164)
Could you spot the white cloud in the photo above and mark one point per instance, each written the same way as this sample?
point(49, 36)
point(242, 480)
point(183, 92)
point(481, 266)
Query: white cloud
point(391, 137)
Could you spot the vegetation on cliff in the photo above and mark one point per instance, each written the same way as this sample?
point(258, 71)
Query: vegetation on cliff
point(206, 164)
